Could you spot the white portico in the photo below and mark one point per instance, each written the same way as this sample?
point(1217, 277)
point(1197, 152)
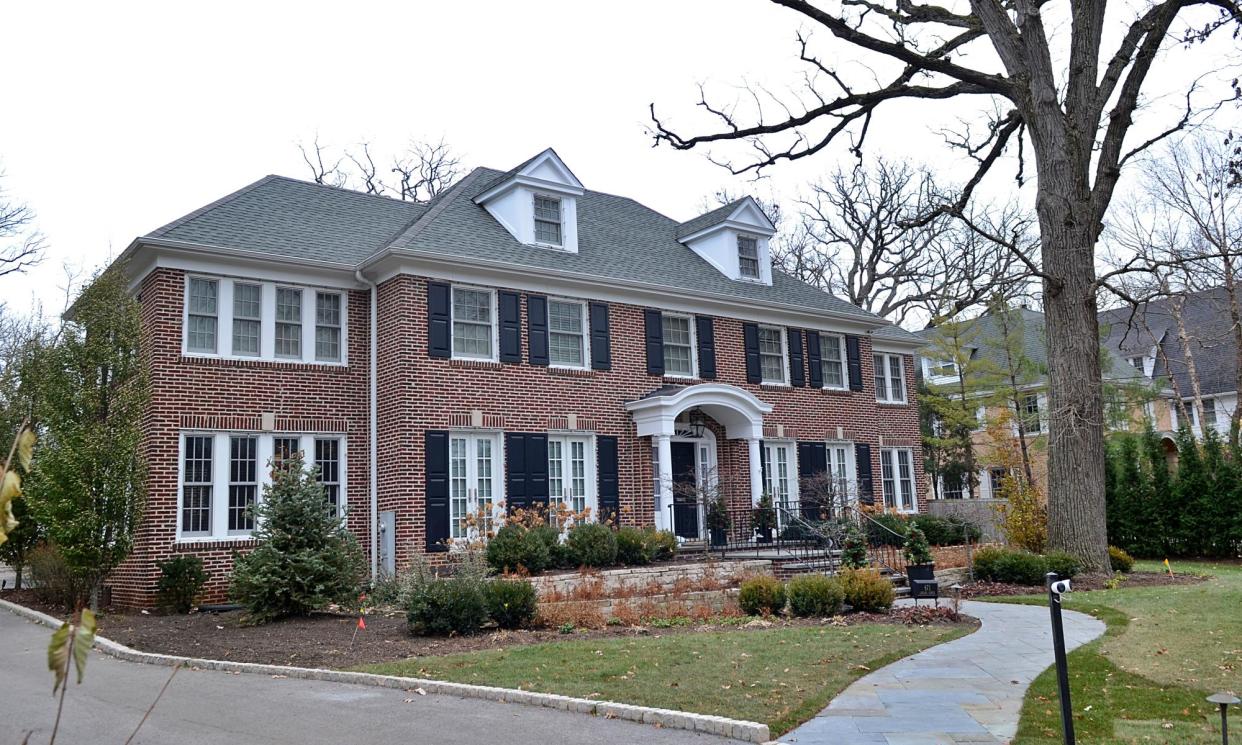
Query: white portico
point(738, 411)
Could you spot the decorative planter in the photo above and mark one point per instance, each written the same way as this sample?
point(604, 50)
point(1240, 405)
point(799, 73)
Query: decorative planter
point(921, 572)
point(718, 536)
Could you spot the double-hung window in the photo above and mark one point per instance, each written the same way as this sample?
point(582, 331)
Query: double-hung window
point(243, 482)
point(570, 475)
point(289, 322)
point(328, 463)
point(832, 354)
point(841, 468)
point(678, 345)
point(772, 354)
point(197, 477)
point(201, 318)
point(328, 326)
point(890, 379)
point(1032, 422)
point(897, 469)
point(780, 472)
point(748, 256)
point(1209, 412)
point(566, 333)
point(475, 487)
point(547, 220)
point(247, 318)
point(473, 323)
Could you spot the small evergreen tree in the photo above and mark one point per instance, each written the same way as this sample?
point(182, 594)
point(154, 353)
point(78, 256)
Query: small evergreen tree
point(1191, 485)
point(305, 558)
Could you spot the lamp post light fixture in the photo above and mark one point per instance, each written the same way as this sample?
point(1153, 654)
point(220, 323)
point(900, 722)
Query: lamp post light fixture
point(1223, 700)
point(698, 423)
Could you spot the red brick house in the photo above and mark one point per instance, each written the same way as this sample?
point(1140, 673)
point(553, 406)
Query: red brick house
point(518, 340)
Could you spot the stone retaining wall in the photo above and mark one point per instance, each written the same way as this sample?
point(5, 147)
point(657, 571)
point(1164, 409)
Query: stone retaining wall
point(981, 512)
point(647, 581)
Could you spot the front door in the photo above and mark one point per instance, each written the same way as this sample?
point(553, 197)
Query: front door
point(685, 496)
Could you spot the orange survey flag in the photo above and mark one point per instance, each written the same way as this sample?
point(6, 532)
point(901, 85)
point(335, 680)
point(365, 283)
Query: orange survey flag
point(362, 622)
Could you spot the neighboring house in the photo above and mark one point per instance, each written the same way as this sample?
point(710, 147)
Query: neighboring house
point(1131, 398)
point(1149, 340)
point(520, 340)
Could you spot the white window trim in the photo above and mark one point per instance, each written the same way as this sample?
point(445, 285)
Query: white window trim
point(495, 324)
point(586, 334)
point(899, 496)
point(340, 325)
point(535, 220)
point(901, 367)
point(758, 258)
point(845, 367)
point(267, 321)
point(851, 465)
point(592, 482)
point(784, 337)
point(694, 345)
point(264, 449)
point(499, 476)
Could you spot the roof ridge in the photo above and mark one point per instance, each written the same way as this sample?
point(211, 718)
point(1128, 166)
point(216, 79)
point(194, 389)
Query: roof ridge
point(168, 227)
point(415, 226)
point(345, 189)
point(716, 209)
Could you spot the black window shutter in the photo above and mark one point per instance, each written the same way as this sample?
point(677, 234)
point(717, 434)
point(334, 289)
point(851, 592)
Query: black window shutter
point(853, 362)
point(537, 470)
point(537, 329)
point(436, 511)
point(654, 324)
point(439, 300)
point(601, 344)
point(705, 333)
point(609, 483)
point(812, 461)
point(515, 472)
point(510, 327)
point(750, 341)
point(797, 363)
point(862, 472)
point(814, 360)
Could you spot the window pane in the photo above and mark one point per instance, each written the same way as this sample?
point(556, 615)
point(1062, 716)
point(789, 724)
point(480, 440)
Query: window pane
point(201, 336)
point(905, 479)
point(886, 468)
point(289, 340)
point(328, 463)
point(896, 384)
point(243, 482)
point(565, 317)
point(556, 471)
point(327, 344)
point(284, 448)
point(564, 349)
point(288, 305)
point(327, 309)
point(677, 330)
point(245, 337)
point(547, 208)
point(203, 296)
point(881, 380)
point(472, 340)
point(458, 498)
point(246, 301)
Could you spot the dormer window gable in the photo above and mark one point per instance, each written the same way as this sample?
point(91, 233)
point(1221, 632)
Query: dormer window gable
point(537, 202)
point(734, 239)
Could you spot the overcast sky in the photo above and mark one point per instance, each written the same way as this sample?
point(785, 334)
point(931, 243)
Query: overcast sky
point(120, 117)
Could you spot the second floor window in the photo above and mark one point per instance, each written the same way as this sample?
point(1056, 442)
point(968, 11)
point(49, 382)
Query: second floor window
point(247, 317)
point(890, 379)
point(1209, 412)
point(327, 326)
point(772, 354)
point(832, 351)
point(678, 346)
point(547, 220)
point(748, 256)
point(1031, 421)
point(566, 337)
point(203, 306)
point(472, 323)
point(288, 322)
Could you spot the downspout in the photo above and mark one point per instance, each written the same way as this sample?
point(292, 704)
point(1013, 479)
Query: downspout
point(371, 444)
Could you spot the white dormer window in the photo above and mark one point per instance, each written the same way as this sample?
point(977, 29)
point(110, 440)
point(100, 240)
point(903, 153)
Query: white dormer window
point(547, 220)
point(748, 256)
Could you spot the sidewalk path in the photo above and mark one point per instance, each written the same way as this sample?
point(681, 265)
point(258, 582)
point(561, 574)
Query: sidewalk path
point(967, 691)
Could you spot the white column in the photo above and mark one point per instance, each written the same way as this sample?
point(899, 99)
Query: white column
point(664, 497)
point(756, 470)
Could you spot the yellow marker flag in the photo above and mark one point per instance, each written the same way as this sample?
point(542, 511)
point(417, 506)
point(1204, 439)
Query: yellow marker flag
point(1168, 568)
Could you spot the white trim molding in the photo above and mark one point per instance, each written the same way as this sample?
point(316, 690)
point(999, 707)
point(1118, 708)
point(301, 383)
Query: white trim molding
point(738, 410)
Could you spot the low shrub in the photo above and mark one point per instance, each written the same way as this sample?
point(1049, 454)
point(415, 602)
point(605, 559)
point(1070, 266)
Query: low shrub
point(661, 544)
point(995, 564)
point(1119, 560)
point(632, 547)
point(559, 555)
point(446, 606)
point(762, 595)
point(886, 529)
point(181, 580)
point(511, 603)
point(592, 545)
point(1063, 564)
point(854, 548)
point(53, 581)
point(517, 548)
point(814, 596)
point(866, 590)
point(947, 531)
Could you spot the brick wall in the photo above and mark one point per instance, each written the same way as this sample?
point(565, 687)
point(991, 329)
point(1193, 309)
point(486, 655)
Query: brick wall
point(416, 393)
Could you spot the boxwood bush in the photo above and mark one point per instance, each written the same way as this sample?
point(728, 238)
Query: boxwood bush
point(515, 548)
point(814, 596)
point(592, 545)
point(1119, 560)
point(995, 564)
point(866, 590)
point(181, 580)
point(762, 595)
point(946, 531)
point(511, 603)
point(632, 547)
point(447, 606)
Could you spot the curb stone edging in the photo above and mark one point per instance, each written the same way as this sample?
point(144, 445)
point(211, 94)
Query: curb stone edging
point(737, 729)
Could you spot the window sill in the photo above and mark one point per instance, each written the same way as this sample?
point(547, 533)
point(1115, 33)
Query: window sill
point(769, 384)
point(280, 364)
point(572, 372)
point(837, 391)
point(894, 404)
point(209, 543)
point(469, 364)
point(670, 378)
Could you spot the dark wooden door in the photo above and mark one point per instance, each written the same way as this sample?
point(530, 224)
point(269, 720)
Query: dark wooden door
point(685, 503)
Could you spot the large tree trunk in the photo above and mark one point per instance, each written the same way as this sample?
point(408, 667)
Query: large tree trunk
point(1076, 521)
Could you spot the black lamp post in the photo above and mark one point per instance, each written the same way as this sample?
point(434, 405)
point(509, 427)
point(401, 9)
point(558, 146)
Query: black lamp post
point(1057, 587)
point(1224, 700)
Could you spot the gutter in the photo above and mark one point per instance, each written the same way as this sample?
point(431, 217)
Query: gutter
point(371, 411)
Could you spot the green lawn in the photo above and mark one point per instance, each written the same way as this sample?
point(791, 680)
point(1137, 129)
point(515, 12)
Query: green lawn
point(780, 677)
point(1145, 681)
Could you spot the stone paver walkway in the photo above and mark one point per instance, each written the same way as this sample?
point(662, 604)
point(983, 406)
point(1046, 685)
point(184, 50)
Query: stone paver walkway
point(967, 691)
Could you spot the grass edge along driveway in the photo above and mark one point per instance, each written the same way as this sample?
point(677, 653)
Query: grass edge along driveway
point(1123, 685)
point(780, 677)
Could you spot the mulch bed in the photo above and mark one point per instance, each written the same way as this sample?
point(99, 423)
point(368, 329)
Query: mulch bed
point(324, 639)
point(1086, 582)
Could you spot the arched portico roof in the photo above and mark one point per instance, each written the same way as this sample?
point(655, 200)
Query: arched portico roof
point(739, 411)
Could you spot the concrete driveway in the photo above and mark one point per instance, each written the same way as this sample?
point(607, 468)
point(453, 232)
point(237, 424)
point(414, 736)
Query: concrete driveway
point(203, 706)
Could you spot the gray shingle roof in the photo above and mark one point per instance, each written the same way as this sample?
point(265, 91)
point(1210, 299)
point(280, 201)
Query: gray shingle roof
point(295, 219)
point(1208, 328)
point(618, 238)
point(708, 219)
